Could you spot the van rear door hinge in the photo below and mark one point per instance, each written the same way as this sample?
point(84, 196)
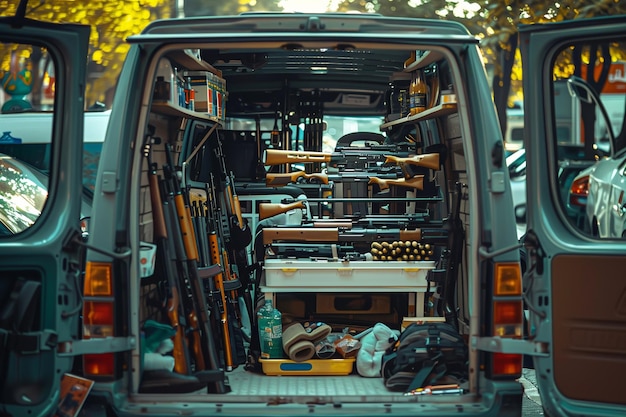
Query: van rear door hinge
point(507, 345)
point(96, 345)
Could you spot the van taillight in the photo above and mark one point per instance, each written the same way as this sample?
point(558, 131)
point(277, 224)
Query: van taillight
point(98, 317)
point(507, 318)
point(578, 191)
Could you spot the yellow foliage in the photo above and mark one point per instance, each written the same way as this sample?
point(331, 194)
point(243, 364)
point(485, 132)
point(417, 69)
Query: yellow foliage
point(111, 22)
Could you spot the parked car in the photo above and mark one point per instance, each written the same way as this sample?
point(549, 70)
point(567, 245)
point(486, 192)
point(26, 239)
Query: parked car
point(23, 194)
point(598, 192)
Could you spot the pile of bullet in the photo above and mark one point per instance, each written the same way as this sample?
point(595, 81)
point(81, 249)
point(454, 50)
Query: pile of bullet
point(409, 250)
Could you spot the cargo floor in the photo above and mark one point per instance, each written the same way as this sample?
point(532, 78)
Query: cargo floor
point(247, 383)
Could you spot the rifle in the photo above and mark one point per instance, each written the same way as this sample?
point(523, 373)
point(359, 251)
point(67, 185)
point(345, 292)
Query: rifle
point(308, 233)
point(417, 182)
point(271, 209)
point(357, 158)
point(215, 255)
point(308, 250)
point(181, 349)
point(187, 255)
point(277, 180)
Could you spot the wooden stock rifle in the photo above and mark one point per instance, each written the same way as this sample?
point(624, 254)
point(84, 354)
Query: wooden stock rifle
point(219, 255)
point(277, 180)
point(417, 182)
point(308, 233)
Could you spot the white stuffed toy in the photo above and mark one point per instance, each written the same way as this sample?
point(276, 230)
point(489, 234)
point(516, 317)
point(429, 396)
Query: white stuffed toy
point(374, 343)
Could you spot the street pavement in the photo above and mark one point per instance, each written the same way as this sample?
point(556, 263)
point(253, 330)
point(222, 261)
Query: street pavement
point(531, 402)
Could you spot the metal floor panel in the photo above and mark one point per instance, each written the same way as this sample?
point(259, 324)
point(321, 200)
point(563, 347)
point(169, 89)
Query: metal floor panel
point(247, 383)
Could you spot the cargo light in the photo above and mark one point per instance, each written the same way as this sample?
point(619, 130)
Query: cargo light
point(98, 317)
point(507, 318)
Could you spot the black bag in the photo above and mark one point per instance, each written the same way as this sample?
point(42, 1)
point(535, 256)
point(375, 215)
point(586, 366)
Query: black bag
point(424, 354)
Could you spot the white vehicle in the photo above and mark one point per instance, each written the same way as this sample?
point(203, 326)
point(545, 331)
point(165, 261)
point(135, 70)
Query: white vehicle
point(27, 136)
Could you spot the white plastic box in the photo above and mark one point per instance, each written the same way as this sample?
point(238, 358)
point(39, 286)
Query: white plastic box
point(355, 276)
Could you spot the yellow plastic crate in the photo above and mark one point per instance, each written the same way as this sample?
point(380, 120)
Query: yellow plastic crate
point(310, 367)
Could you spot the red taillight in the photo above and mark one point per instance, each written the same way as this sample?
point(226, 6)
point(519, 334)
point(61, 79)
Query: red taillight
point(579, 191)
point(99, 365)
point(98, 317)
point(506, 364)
point(506, 318)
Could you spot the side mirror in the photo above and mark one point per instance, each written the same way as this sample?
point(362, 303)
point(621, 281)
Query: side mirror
point(581, 90)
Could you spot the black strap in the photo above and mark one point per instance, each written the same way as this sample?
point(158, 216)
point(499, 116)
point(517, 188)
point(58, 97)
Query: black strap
point(422, 376)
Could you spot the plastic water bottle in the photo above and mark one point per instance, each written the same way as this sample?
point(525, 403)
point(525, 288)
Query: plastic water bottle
point(270, 331)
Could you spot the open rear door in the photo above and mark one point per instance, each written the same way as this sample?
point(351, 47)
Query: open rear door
point(42, 69)
point(575, 281)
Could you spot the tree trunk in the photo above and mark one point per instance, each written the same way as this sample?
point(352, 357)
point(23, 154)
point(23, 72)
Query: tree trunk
point(502, 79)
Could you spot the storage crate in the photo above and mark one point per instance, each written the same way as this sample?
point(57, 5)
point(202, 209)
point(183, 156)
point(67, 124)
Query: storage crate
point(318, 367)
point(347, 276)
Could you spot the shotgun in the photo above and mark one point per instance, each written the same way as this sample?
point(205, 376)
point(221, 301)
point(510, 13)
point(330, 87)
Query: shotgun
point(181, 348)
point(417, 182)
point(356, 235)
point(277, 180)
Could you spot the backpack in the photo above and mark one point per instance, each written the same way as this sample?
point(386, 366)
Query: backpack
point(425, 354)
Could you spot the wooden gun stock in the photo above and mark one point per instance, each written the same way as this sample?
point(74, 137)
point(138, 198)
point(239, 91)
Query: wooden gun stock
point(277, 180)
point(271, 209)
point(279, 156)
point(416, 182)
point(429, 160)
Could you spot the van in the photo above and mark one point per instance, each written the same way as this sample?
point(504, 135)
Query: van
point(414, 226)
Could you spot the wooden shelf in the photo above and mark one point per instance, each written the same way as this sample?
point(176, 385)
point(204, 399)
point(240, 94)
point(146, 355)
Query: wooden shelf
point(168, 109)
point(191, 63)
point(426, 59)
point(437, 111)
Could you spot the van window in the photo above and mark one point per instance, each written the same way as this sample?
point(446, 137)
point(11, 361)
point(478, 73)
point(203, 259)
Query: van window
point(588, 136)
point(27, 91)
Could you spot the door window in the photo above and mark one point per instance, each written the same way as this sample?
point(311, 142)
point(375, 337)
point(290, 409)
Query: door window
point(589, 104)
point(27, 91)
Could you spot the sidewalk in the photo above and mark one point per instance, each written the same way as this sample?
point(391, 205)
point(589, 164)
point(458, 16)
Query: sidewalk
point(529, 381)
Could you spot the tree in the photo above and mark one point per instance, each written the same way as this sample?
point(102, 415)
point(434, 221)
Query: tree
point(223, 8)
point(496, 23)
point(111, 21)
